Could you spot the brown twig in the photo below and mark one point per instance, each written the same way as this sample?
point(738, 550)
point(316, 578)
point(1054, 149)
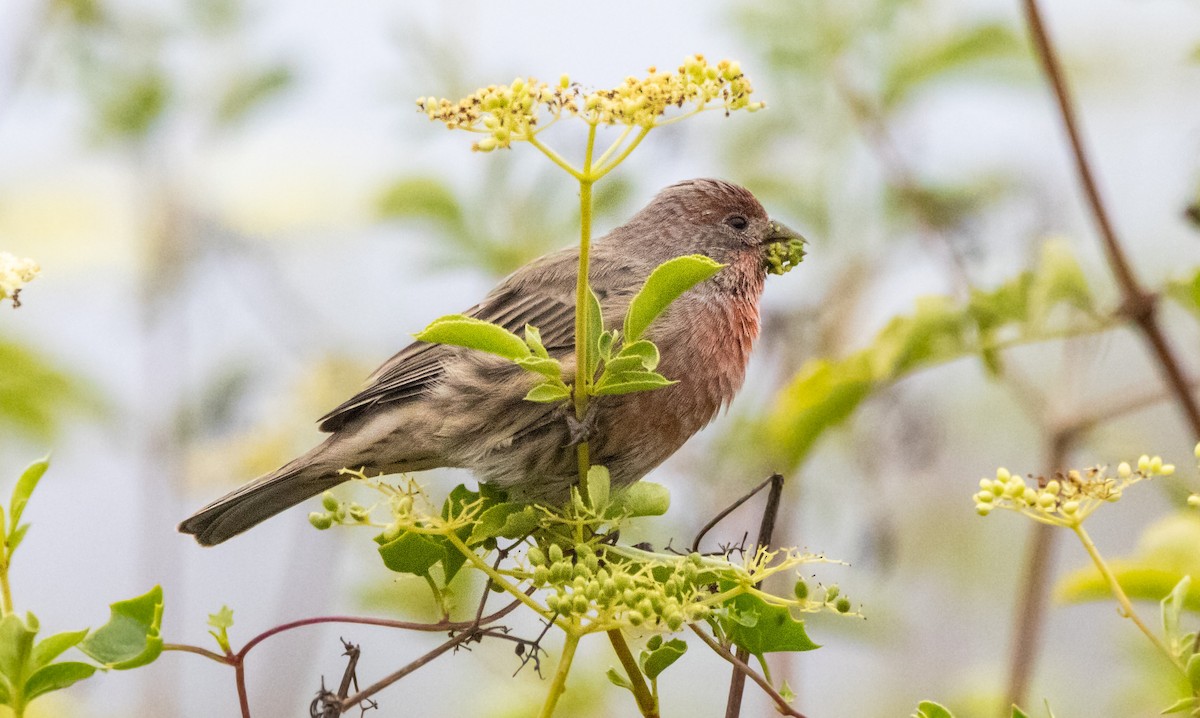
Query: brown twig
point(1139, 305)
point(1029, 616)
point(352, 701)
point(745, 669)
point(737, 682)
point(728, 510)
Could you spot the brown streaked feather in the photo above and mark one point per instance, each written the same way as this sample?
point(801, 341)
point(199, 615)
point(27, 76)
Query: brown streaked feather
point(417, 367)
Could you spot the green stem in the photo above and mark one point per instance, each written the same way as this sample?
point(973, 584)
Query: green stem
point(498, 579)
point(559, 686)
point(583, 382)
point(1119, 593)
point(557, 158)
point(5, 591)
point(647, 702)
point(614, 146)
point(605, 169)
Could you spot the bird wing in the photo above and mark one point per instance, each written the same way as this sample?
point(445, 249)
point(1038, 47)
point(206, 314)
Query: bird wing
point(418, 366)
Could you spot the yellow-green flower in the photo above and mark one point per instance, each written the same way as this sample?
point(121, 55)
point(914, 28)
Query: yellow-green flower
point(14, 274)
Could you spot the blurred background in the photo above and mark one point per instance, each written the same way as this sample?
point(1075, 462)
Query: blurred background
point(239, 214)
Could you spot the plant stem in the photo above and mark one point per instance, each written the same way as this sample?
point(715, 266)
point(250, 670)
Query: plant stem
point(1119, 593)
point(6, 607)
point(559, 686)
point(555, 158)
point(1139, 305)
point(780, 704)
point(647, 703)
point(1029, 618)
point(605, 169)
point(583, 382)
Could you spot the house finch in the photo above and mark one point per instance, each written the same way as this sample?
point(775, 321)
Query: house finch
point(436, 405)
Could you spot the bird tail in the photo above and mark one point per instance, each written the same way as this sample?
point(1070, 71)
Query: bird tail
point(262, 498)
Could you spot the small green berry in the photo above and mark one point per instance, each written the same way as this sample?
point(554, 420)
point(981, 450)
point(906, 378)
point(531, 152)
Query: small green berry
point(843, 605)
point(800, 590)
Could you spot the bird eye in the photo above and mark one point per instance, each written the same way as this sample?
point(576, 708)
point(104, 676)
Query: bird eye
point(738, 222)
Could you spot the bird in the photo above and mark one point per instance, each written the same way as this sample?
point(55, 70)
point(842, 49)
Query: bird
point(436, 405)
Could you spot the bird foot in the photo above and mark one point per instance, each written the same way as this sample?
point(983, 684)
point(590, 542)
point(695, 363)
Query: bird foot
point(581, 430)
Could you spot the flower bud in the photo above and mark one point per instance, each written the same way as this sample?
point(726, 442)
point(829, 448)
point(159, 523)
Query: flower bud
point(541, 575)
point(1124, 470)
point(556, 553)
point(535, 556)
point(800, 590)
point(983, 509)
point(1194, 501)
point(635, 618)
point(1003, 475)
point(320, 521)
point(329, 502)
point(831, 592)
point(1143, 463)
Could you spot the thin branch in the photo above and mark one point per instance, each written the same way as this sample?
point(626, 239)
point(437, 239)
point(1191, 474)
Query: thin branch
point(1139, 305)
point(728, 510)
point(212, 655)
point(1029, 618)
point(766, 528)
point(352, 701)
point(741, 666)
point(641, 692)
point(386, 623)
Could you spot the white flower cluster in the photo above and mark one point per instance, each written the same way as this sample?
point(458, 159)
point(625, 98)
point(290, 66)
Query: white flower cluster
point(14, 274)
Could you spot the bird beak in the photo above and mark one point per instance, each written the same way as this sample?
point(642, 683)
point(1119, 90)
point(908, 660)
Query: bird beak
point(784, 248)
point(780, 232)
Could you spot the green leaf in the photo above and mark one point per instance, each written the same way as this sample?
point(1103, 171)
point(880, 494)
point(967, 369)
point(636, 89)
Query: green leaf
point(412, 553)
point(134, 104)
point(222, 619)
point(655, 661)
point(505, 520)
point(533, 339)
point(929, 709)
point(56, 677)
point(1018, 713)
point(472, 333)
point(53, 646)
point(247, 92)
point(16, 647)
point(1058, 279)
point(595, 329)
point(644, 351)
point(1180, 705)
point(630, 381)
point(421, 198)
point(821, 396)
point(773, 628)
point(1166, 552)
point(666, 283)
point(644, 498)
point(935, 58)
point(456, 502)
point(1193, 672)
point(618, 679)
point(16, 537)
point(131, 637)
point(24, 489)
point(549, 392)
point(550, 368)
point(599, 483)
point(1172, 607)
